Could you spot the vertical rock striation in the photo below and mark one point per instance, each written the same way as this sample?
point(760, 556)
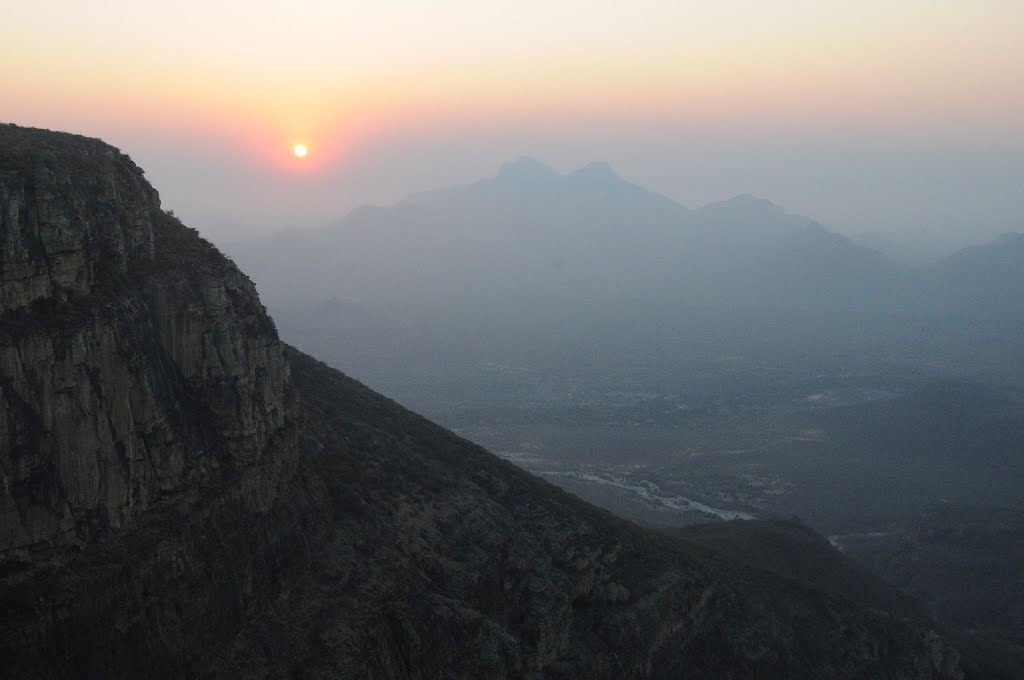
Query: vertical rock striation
point(101, 390)
point(72, 211)
point(145, 412)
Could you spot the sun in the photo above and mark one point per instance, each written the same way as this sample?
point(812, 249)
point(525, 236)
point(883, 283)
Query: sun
point(300, 150)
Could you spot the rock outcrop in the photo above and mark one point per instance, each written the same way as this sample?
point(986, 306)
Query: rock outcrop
point(135, 376)
point(148, 433)
point(73, 211)
point(177, 503)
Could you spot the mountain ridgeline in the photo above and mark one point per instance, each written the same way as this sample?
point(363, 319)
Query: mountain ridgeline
point(186, 496)
point(578, 270)
point(587, 235)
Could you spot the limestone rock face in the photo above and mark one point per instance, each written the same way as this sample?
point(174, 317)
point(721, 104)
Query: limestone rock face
point(136, 363)
point(71, 210)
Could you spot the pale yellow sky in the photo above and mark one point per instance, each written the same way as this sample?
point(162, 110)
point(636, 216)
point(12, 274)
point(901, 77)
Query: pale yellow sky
point(246, 80)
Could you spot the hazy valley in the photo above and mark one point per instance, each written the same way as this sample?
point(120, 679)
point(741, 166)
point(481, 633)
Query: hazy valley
point(187, 496)
point(680, 365)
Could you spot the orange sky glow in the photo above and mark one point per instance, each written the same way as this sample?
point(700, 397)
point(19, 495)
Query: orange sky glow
point(249, 80)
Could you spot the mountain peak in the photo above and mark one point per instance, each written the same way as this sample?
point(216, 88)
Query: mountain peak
point(527, 172)
point(747, 203)
point(596, 170)
point(526, 168)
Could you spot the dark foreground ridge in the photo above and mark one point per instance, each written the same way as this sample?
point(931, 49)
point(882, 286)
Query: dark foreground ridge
point(184, 496)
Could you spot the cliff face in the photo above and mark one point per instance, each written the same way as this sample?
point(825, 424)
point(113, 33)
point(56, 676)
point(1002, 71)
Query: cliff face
point(73, 210)
point(176, 504)
point(146, 366)
point(145, 417)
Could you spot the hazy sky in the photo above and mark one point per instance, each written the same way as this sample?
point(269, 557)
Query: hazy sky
point(904, 116)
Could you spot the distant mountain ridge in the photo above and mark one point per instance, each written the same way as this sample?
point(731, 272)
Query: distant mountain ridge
point(530, 235)
point(586, 232)
point(529, 174)
point(534, 265)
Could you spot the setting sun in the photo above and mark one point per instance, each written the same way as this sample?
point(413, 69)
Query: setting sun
point(300, 150)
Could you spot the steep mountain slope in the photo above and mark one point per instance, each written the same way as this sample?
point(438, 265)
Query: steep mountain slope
point(177, 504)
point(791, 549)
point(825, 272)
point(983, 282)
point(964, 563)
point(745, 221)
point(148, 432)
point(432, 529)
point(961, 564)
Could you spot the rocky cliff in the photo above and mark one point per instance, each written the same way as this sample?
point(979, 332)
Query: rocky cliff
point(185, 497)
point(148, 434)
point(136, 363)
